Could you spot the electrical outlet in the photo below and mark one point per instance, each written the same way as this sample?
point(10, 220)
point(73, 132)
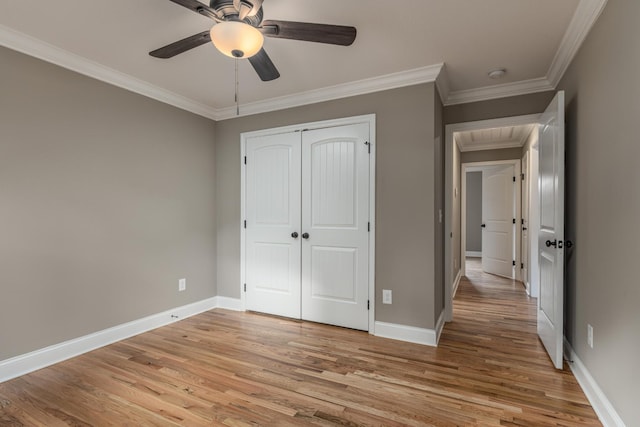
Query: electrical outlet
point(590, 335)
point(386, 296)
point(182, 285)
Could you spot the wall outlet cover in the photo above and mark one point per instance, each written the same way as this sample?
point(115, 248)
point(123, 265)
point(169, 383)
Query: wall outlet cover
point(182, 285)
point(387, 296)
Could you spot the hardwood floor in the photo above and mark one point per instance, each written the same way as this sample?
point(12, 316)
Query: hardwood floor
point(238, 369)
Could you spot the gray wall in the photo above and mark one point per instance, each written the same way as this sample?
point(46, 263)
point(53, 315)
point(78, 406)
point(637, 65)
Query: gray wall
point(456, 205)
point(106, 200)
point(405, 194)
point(439, 173)
point(474, 211)
point(522, 105)
point(603, 204)
point(491, 155)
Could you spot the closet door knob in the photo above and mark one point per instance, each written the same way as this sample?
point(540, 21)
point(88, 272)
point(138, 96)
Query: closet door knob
point(549, 243)
point(305, 235)
point(294, 234)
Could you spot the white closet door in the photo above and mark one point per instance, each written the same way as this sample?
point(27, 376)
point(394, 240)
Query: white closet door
point(335, 215)
point(498, 212)
point(273, 217)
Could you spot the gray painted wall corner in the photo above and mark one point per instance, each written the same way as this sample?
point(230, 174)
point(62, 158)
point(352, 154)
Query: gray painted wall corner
point(106, 200)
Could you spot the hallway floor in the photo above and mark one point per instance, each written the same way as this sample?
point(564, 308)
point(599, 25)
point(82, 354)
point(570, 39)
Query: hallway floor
point(494, 331)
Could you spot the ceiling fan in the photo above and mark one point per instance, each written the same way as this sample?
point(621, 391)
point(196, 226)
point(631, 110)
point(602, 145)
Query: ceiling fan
point(239, 30)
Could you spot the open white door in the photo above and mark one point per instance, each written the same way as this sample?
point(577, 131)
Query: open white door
point(273, 224)
point(551, 234)
point(335, 215)
point(525, 222)
point(498, 214)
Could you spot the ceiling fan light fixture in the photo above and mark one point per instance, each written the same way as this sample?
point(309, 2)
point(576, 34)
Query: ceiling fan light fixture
point(236, 39)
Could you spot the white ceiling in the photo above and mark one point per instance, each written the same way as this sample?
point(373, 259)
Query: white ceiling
point(495, 138)
point(398, 43)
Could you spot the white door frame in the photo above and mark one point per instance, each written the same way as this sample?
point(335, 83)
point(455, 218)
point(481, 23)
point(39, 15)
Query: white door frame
point(370, 119)
point(479, 166)
point(449, 274)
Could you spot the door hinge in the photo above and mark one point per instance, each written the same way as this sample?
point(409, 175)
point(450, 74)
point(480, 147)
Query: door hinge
point(521, 265)
point(514, 220)
point(369, 227)
point(245, 287)
point(368, 305)
point(514, 179)
point(245, 223)
point(522, 221)
point(368, 144)
point(522, 176)
point(514, 263)
point(245, 160)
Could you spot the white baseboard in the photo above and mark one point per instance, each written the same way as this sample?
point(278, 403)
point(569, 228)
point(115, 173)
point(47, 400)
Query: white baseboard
point(38, 359)
point(473, 254)
point(456, 283)
point(601, 405)
point(439, 327)
point(407, 333)
point(234, 304)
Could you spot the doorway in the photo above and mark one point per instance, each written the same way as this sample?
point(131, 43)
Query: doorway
point(490, 217)
point(461, 148)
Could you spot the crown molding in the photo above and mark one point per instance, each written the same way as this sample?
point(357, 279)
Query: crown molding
point(442, 83)
point(21, 42)
point(345, 90)
point(585, 16)
point(499, 91)
point(581, 23)
point(31, 46)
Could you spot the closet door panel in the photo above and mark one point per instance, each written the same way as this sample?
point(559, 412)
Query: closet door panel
point(273, 216)
point(335, 215)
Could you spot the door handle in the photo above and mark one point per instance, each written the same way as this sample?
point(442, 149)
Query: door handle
point(568, 244)
point(294, 234)
point(305, 235)
point(524, 228)
point(549, 243)
point(483, 225)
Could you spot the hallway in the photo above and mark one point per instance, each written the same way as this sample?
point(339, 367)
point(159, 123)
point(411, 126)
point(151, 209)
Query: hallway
point(493, 336)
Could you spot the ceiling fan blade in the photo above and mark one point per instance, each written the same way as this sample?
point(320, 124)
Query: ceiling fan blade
point(305, 31)
point(173, 49)
point(264, 66)
point(199, 8)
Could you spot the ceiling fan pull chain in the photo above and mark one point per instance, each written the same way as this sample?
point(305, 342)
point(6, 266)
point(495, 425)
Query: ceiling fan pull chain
point(237, 87)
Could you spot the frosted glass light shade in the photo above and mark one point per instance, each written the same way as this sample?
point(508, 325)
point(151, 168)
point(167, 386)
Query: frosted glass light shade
point(236, 39)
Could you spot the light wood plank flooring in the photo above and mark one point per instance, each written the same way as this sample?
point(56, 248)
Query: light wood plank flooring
point(239, 369)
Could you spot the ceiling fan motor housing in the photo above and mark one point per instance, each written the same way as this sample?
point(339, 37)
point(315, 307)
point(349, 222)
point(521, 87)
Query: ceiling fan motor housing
point(231, 10)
